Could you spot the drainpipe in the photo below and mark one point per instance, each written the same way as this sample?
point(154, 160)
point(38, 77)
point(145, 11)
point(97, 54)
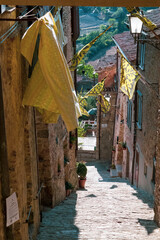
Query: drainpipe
point(99, 135)
point(135, 118)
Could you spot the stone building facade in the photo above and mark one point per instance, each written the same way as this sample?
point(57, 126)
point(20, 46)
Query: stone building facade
point(105, 120)
point(137, 159)
point(136, 121)
point(32, 153)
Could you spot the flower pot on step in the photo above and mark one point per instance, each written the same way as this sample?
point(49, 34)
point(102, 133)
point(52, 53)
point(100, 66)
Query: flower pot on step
point(113, 172)
point(68, 191)
point(82, 183)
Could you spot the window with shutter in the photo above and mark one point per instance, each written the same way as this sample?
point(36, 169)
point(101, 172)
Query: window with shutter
point(139, 109)
point(129, 114)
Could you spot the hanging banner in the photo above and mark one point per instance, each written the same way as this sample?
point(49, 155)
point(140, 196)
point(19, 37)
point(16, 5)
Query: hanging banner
point(82, 103)
point(96, 90)
point(129, 78)
point(12, 209)
point(78, 56)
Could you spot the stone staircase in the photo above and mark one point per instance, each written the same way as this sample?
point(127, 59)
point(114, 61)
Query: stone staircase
point(86, 155)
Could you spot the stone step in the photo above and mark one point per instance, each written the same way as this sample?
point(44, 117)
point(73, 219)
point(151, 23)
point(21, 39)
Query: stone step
point(86, 155)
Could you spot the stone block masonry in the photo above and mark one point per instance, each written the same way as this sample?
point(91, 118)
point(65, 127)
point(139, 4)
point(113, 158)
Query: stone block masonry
point(20, 137)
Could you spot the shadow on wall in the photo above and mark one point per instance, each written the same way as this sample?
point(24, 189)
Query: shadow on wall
point(58, 223)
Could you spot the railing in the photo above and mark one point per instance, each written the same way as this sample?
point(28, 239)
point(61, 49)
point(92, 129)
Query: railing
point(89, 122)
point(27, 220)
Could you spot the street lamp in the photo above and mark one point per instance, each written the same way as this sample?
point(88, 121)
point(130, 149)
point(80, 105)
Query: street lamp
point(135, 25)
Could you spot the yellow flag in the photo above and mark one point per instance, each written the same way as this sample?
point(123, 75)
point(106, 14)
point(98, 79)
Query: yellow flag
point(82, 102)
point(135, 13)
point(96, 90)
point(83, 111)
point(129, 78)
point(78, 56)
point(105, 105)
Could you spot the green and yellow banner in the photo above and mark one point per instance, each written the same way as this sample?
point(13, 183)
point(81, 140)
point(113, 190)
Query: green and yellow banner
point(82, 103)
point(96, 90)
point(78, 56)
point(105, 105)
point(129, 78)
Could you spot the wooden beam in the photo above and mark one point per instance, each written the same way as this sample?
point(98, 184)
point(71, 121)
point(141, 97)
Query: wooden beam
point(107, 3)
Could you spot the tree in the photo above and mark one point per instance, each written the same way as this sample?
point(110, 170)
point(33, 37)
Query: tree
point(86, 69)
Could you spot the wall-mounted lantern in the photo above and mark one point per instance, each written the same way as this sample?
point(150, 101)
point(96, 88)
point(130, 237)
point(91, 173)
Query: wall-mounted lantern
point(135, 25)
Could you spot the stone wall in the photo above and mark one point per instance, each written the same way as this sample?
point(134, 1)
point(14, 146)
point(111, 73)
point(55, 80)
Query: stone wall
point(20, 135)
point(53, 143)
point(106, 132)
point(157, 176)
point(34, 152)
point(31, 167)
point(144, 146)
point(14, 122)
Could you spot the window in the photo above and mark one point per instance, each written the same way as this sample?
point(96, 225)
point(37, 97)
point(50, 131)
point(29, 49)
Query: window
point(139, 109)
point(129, 114)
point(142, 54)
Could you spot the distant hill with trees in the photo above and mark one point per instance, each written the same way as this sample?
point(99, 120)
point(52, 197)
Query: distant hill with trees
point(107, 15)
point(93, 21)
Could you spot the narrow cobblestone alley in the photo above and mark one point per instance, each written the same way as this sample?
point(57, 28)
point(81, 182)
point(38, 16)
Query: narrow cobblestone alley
point(109, 208)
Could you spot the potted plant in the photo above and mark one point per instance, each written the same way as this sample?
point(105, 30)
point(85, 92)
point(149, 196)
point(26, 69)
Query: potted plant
point(113, 166)
point(113, 149)
point(66, 161)
point(113, 171)
point(124, 145)
point(68, 187)
point(82, 172)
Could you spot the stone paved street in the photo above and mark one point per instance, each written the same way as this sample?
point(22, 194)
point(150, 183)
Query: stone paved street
point(109, 208)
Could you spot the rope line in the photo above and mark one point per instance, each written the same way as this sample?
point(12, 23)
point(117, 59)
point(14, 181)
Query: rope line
point(14, 26)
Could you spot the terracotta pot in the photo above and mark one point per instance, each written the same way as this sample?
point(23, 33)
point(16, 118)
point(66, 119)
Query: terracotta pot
point(82, 183)
point(68, 191)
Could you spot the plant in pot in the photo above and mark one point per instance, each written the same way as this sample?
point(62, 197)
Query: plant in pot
point(113, 166)
point(66, 161)
point(82, 172)
point(124, 145)
point(113, 149)
point(113, 171)
point(68, 187)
